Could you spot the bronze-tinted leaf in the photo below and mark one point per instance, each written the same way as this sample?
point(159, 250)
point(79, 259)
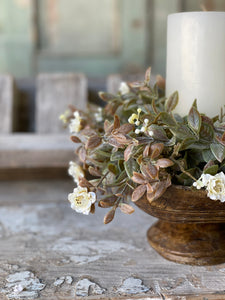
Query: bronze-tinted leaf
point(156, 150)
point(146, 151)
point(149, 171)
point(107, 201)
point(138, 192)
point(93, 142)
point(148, 75)
point(160, 81)
point(116, 123)
point(112, 141)
point(138, 178)
point(82, 154)
point(194, 120)
point(158, 133)
point(92, 211)
point(164, 163)
point(106, 96)
point(94, 171)
point(122, 138)
point(83, 182)
point(172, 102)
point(109, 216)
point(206, 132)
point(128, 152)
point(126, 208)
point(149, 188)
point(75, 139)
point(135, 84)
point(108, 127)
point(125, 128)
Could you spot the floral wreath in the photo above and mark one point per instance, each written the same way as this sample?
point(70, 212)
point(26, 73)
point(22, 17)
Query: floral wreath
point(136, 146)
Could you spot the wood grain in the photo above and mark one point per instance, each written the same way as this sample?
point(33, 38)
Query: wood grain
point(54, 92)
point(40, 234)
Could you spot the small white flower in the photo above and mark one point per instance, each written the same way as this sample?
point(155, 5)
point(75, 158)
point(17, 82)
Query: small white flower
point(137, 123)
point(81, 200)
point(124, 88)
point(151, 133)
point(137, 131)
point(75, 171)
point(75, 123)
point(134, 118)
point(198, 184)
point(98, 115)
point(144, 128)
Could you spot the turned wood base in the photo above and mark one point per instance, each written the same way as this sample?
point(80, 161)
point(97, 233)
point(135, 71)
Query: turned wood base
point(186, 243)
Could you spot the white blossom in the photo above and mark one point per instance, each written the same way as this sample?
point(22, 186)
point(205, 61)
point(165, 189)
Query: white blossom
point(81, 200)
point(75, 171)
point(124, 88)
point(215, 185)
point(134, 118)
point(98, 115)
point(75, 123)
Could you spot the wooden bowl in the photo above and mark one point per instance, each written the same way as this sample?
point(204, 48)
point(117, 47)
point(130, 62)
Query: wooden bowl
point(191, 227)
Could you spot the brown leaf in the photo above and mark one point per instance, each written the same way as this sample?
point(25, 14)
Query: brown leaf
point(108, 127)
point(126, 208)
point(122, 138)
point(108, 201)
point(88, 132)
point(92, 211)
point(164, 163)
point(156, 150)
point(149, 188)
point(83, 182)
point(150, 171)
point(93, 142)
point(160, 81)
point(109, 216)
point(82, 154)
point(138, 178)
point(125, 128)
point(94, 171)
point(128, 152)
point(159, 189)
point(138, 192)
point(106, 96)
point(148, 75)
point(116, 123)
point(75, 139)
point(146, 151)
point(112, 141)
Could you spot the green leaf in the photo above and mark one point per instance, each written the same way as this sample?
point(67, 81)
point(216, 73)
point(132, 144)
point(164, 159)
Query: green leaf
point(167, 119)
point(118, 155)
point(194, 120)
point(171, 102)
point(182, 132)
point(207, 155)
point(106, 96)
point(206, 132)
point(131, 166)
point(218, 151)
point(158, 133)
point(211, 170)
point(186, 143)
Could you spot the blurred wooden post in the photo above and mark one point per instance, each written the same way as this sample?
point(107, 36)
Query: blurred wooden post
point(54, 93)
point(7, 96)
point(113, 83)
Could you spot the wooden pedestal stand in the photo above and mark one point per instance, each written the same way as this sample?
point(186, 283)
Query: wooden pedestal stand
point(191, 227)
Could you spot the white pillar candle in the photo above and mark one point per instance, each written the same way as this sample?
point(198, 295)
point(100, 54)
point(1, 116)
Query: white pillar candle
point(196, 61)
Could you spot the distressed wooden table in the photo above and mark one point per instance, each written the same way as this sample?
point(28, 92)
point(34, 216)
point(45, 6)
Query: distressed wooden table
point(49, 252)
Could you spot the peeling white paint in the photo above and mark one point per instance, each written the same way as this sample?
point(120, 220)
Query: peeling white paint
point(85, 288)
point(82, 252)
point(132, 286)
point(63, 279)
point(22, 285)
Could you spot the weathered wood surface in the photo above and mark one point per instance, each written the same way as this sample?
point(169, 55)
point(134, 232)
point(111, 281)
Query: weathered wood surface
point(35, 150)
point(48, 251)
point(54, 92)
point(6, 103)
